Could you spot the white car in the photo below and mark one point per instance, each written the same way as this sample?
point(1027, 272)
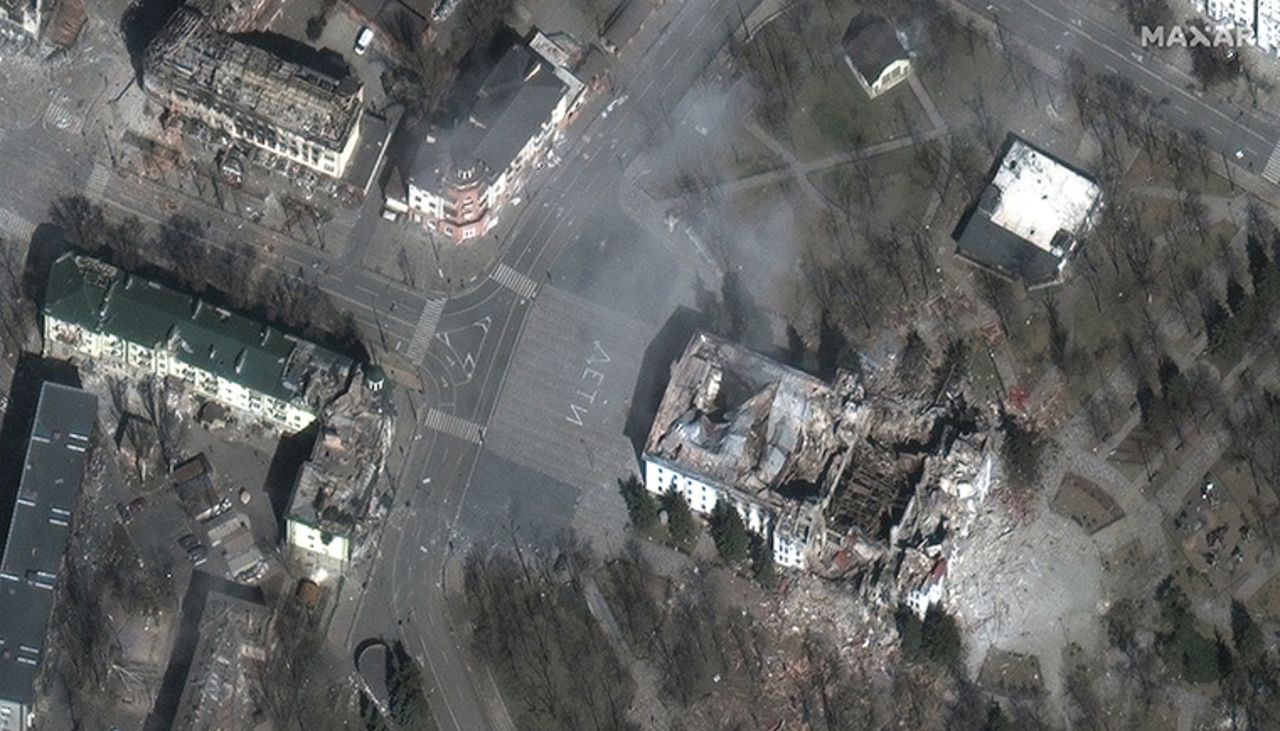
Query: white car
point(363, 40)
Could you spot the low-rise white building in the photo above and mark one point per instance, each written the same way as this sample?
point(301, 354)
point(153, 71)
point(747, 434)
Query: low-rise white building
point(99, 315)
point(771, 441)
point(875, 54)
point(1031, 217)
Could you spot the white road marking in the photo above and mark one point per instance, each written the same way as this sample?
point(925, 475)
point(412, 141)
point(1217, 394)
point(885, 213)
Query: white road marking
point(1272, 171)
point(454, 426)
point(515, 281)
point(425, 329)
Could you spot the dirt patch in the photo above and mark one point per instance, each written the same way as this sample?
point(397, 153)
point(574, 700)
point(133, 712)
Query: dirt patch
point(1085, 503)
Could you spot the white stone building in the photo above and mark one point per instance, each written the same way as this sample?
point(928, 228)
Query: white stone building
point(1031, 217)
point(769, 440)
point(99, 315)
point(875, 54)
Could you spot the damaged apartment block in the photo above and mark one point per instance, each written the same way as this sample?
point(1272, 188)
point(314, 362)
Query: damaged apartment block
point(253, 96)
point(333, 498)
point(816, 468)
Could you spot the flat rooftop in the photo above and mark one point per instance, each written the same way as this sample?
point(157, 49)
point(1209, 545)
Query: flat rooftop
point(1041, 196)
point(37, 538)
point(734, 418)
point(1031, 215)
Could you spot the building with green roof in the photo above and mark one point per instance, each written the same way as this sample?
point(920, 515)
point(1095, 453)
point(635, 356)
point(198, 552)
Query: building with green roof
point(99, 315)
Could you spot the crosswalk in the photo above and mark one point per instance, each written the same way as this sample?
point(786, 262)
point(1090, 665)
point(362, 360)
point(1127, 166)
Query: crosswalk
point(425, 330)
point(99, 179)
point(57, 116)
point(455, 426)
point(14, 227)
point(1272, 171)
point(513, 280)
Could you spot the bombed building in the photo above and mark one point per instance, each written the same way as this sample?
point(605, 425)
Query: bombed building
point(333, 498)
point(100, 316)
point(770, 440)
point(27, 15)
point(254, 96)
point(816, 468)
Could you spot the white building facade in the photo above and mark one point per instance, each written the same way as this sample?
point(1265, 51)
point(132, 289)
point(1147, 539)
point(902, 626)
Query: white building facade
point(102, 316)
point(136, 360)
point(791, 537)
point(1261, 17)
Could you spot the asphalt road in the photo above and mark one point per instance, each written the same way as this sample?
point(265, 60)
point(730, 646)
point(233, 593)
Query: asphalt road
point(577, 205)
point(1058, 27)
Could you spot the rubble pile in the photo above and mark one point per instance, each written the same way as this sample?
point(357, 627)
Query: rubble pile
point(335, 487)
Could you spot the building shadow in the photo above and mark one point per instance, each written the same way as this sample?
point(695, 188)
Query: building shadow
point(655, 371)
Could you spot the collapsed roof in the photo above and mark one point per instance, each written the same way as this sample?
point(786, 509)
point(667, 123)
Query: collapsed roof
point(335, 486)
point(736, 419)
point(192, 60)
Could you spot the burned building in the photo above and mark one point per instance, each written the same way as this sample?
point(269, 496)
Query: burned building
point(464, 176)
point(770, 440)
point(333, 497)
point(101, 316)
point(252, 95)
point(28, 15)
point(801, 459)
point(223, 684)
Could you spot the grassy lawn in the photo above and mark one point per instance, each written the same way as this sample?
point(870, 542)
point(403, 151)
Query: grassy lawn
point(833, 115)
point(899, 199)
point(718, 159)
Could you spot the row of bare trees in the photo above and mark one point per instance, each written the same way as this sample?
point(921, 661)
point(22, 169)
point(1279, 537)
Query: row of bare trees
point(181, 253)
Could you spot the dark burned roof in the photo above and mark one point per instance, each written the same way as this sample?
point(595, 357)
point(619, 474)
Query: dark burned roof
point(989, 245)
point(37, 538)
point(871, 45)
point(515, 100)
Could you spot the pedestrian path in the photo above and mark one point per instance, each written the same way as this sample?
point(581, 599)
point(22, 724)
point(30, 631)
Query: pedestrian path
point(515, 281)
point(470, 431)
point(99, 179)
point(1272, 171)
point(425, 329)
point(57, 116)
point(15, 227)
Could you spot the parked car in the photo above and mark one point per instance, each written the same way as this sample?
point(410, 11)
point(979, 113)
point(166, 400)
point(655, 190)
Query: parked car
point(198, 554)
point(123, 510)
point(364, 39)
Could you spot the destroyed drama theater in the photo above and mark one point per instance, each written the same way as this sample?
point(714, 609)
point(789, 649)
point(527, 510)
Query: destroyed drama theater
point(814, 467)
point(251, 95)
